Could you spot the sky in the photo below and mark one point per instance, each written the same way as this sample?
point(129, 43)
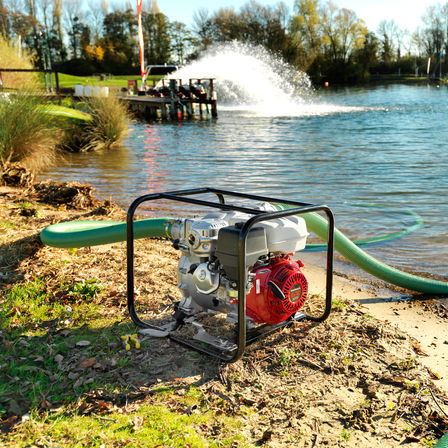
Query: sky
point(406, 13)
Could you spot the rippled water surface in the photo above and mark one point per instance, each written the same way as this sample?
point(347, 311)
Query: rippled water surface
point(383, 145)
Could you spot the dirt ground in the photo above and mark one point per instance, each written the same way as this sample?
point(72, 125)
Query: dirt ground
point(355, 380)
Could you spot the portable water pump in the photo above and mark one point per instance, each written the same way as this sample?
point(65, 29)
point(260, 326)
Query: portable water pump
point(239, 261)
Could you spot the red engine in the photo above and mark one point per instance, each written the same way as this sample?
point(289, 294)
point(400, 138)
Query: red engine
point(279, 290)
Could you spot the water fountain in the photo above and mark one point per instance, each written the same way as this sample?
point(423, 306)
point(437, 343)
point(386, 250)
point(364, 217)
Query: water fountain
point(249, 78)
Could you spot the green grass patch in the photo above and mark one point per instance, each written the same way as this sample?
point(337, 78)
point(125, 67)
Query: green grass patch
point(26, 307)
point(6, 224)
point(150, 426)
point(66, 80)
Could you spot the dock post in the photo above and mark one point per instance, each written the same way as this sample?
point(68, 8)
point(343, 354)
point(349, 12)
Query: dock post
point(189, 108)
point(173, 110)
point(163, 110)
point(214, 109)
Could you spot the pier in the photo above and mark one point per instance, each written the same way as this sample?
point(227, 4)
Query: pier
point(175, 101)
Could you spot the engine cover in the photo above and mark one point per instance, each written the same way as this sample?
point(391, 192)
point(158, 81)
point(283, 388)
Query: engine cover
point(279, 290)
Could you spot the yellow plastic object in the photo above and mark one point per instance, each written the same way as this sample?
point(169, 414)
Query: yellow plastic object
point(128, 338)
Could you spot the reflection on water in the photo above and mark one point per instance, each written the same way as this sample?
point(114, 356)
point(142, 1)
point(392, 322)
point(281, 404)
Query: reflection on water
point(389, 150)
point(153, 162)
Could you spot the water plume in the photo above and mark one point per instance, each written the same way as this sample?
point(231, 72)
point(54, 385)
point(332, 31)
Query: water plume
point(251, 79)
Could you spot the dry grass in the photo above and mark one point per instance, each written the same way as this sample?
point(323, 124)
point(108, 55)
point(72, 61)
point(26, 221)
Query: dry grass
point(109, 124)
point(27, 133)
point(9, 58)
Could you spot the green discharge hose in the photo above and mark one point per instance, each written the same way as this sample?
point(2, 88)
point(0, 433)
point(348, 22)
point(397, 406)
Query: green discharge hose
point(318, 225)
point(93, 233)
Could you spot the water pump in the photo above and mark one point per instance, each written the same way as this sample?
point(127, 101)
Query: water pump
point(207, 273)
point(240, 260)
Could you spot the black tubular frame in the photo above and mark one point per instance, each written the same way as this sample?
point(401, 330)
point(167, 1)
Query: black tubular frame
point(258, 216)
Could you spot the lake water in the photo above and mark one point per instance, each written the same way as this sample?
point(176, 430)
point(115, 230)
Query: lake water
point(385, 145)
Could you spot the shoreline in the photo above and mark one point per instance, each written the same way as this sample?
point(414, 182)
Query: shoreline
point(362, 372)
point(405, 312)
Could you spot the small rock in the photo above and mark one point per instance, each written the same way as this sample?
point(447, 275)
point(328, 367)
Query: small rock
point(25, 417)
point(78, 383)
point(73, 376)
point(154, 333)
point(83, 343)
point(58, 358)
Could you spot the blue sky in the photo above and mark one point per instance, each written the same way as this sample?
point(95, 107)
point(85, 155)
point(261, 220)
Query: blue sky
point(406, 13)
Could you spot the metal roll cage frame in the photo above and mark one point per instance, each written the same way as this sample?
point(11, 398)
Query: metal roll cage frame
point(244, 338)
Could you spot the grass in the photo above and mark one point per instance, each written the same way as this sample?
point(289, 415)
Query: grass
point(28, 134)
point(108, 125)
point(119, 81)
point(150, 426)
point(44, 372)
point(32, 135)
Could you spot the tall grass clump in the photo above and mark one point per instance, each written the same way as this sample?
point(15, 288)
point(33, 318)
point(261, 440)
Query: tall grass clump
point(10, 58)
point(109, 123)
point(28, 134)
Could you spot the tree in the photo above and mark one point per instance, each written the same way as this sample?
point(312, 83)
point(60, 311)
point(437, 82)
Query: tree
point(202, 27)
point(182, 41)
point(74, 24)
point(4, 21)
point(389, 36)
point(306, 28)
point(433, 34)
point(57, 44)
point(98, 10)
point(157, 37)
point(344, 32)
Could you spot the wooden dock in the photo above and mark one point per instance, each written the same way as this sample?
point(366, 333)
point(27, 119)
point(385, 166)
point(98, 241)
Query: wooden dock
point(175, 101)
point(171, 109)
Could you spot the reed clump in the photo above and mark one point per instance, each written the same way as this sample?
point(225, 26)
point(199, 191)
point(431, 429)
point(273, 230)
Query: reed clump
point(28, 133)
point(108, 126)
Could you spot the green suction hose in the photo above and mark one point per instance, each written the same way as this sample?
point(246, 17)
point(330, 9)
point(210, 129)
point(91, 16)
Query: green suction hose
point(318, 225)
point(93, 233)
point(443, 442)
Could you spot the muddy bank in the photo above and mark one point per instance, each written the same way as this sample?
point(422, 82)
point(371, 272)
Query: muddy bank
point(362, 378)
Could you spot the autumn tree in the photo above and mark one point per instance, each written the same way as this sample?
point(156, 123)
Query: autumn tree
point(306, 29)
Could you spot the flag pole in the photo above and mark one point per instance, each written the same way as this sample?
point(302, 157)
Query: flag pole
point(141, 45)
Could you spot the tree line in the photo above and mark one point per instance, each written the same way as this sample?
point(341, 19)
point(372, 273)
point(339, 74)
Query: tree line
point(328, 42)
